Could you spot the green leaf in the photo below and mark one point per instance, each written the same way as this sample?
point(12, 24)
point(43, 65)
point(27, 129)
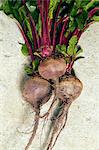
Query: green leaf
point(73, 40)
point(74, 11)
point(31, 8)
point(16, 14)
point(35, 64)
point(66, 34)
point(67, 60)
point(75, 50)
point(92, 4)
point(31, 2)
point(72, 25)
point(39, 26)
point(81, 3)
point(58, 47)
point(61, 49)
point(72, 45)
point(22, 12)
point(26, 21)
point(52, 6)
point(35, 15)
point(24, 50)
point(81, 19)
point(11, 7)
point(68, 1)
point(95, 18)
point(70, 51)
point(28, 69)
point(29, 36)
point(6, 7)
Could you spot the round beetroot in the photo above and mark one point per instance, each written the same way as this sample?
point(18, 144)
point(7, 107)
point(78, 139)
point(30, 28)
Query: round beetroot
point(52, 68)
point(69, 88)
point(36, 91)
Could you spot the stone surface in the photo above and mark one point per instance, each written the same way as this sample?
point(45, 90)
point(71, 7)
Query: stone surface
point(82, 131)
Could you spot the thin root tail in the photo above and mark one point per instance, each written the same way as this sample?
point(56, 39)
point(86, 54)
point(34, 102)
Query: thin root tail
point(34, 129)
point(57, 127)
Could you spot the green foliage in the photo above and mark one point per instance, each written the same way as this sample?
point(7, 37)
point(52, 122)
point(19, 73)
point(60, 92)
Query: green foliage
point(35, 64)
point(95, 18)
point(68, 1)
point(28, 69)
point(22, 12)
point(16, 8)
point(61, 49)
point(77, 12)
point(52, 7)
point(24, 50)
point(72, 45)
point(92, 4)
point(39, 26)
point(81, 19)
point(6, 7)
point(29, 32)
point(72, 51)
point(31, 2)
point(35, 15)
point(74, 11)
point(11, 7)
point(72, 24)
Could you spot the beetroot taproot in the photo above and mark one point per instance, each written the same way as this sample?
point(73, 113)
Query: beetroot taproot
point(37, 91)
point(52, 68)
point(69, 88)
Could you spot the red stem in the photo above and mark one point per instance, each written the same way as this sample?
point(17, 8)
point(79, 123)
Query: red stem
point(63, 29)
point(33, 27)
point(45, 23)
point(92, 12)
point(55, 25)
point(76, 32)
point(34, 30)
point(48, 21)
point(61, 20)
point(69, 67)
point(79, 32)
point(54, 34)
point(40, 9)
point(26, 41)
point(43, 8)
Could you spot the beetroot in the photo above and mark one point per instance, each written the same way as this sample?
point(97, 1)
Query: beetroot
point(52, 68)
point(69, 88)
point(37, 91)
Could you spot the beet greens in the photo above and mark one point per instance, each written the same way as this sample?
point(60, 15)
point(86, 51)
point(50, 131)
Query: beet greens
point(50, 26)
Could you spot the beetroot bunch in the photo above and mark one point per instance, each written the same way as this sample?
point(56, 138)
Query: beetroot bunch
point(51, 30)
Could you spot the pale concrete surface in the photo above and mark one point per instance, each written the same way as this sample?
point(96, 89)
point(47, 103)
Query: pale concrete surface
point(82, 131)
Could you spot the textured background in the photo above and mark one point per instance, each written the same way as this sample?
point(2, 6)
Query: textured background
point(82, 131)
